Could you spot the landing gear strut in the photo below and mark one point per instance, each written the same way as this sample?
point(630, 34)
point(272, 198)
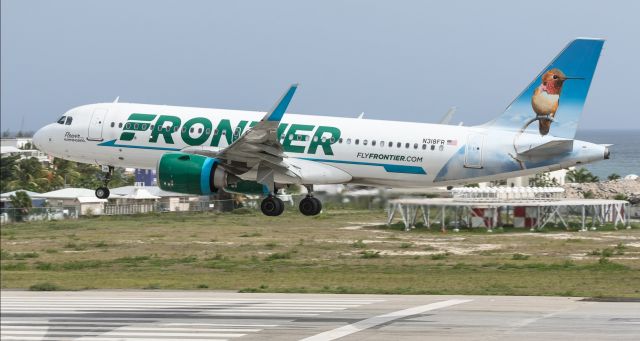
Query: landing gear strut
point(272, 206)
point(103, 192)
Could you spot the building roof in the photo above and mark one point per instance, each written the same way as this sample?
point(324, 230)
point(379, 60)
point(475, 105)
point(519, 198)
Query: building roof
point(138, 193)
point(67, 193)
point(8, 194)
point(153, 190)
point(9, 149)
point(88, 200)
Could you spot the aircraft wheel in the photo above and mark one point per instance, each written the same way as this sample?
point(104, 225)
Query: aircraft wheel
point(272, 206)
point(310, 206)
point(102, 193)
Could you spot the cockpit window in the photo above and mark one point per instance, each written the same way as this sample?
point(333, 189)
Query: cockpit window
point(69, 120)
point(61, 120)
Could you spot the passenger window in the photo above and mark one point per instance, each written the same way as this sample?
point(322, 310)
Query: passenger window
point(340, 140)
point(424, 146)
point(324, 139)
point(120, 125)
point(415, 146)
point(69, 120)
point(333, 139)
point(433, 147)
point(184, 129)
point(199, 130)
point(191, 130)
point(441, 148)
point(208, 131)
point(135, 126)
point(348, 141)
point(373, 142)
point(113, 124)
point(364, 142)
point(390, 144)
point(357, 141)
point(128, 126)
point(399, 145)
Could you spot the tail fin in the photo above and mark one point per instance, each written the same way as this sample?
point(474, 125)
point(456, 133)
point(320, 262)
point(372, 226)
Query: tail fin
point(555, 98)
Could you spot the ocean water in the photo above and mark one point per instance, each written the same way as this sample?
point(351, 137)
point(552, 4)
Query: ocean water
point(625, 152)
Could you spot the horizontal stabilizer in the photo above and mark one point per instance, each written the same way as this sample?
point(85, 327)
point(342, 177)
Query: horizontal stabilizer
point(553, 147)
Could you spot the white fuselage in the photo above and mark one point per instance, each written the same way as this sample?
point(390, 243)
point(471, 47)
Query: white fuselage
point(374, 152)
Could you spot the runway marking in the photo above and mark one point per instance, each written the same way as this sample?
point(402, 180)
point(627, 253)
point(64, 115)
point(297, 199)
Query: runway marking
point(380, 319)
point(159, 318)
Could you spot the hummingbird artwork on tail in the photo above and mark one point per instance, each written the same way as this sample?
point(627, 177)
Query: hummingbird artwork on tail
point(546, 98)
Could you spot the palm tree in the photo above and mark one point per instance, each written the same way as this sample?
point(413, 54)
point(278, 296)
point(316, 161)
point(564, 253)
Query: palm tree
point(614, 176)
point(30, 175)
point(581, 175)
point(21, 203)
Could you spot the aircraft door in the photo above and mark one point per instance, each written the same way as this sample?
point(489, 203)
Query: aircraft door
point(473, 152)
point(96, 124)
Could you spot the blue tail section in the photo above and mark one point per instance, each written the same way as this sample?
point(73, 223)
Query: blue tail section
point(553, 102)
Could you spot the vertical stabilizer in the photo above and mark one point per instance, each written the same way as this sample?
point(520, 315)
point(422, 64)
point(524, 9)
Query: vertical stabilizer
point(553, 102)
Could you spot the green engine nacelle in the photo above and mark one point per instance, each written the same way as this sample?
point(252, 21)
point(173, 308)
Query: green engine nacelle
point(191, 174)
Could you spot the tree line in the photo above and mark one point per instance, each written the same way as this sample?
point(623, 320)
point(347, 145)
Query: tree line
point(29, 174)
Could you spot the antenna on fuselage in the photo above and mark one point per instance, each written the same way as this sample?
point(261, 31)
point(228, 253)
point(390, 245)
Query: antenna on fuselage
point(116, 100)
point(361, 115)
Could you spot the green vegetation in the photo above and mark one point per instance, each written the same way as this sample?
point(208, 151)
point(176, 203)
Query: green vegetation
point(581, 175)
point(253, 253)
point(613, 176)
point(29, 174)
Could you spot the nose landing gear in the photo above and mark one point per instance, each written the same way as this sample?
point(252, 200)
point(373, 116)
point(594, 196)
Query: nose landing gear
point(103, 192)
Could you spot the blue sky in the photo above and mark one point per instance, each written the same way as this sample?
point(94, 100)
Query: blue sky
point(404, 60)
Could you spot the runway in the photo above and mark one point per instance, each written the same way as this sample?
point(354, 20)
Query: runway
point(205, 315)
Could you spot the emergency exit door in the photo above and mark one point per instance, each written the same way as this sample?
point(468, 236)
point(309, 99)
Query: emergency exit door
point(96, 124)
point(473, 153)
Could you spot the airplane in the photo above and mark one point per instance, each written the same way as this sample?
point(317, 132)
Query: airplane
point(205, 151)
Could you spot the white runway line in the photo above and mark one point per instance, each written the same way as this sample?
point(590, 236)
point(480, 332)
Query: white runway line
point(377, 320)
point(69, 316)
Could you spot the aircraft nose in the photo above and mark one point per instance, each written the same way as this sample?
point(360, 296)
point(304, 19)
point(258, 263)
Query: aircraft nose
point(39, 138)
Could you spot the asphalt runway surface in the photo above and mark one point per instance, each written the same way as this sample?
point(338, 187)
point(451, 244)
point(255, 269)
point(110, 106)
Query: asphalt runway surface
point(205, 315)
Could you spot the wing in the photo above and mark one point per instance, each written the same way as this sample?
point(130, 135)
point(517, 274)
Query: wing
point(259, 146)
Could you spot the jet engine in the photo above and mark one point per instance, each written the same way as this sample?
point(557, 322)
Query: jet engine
point(191, 174)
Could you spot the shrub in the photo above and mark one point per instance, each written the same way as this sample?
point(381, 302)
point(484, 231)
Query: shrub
point(25, 255)
point(406, 245)
point(44, 286)
point(278, 255)
point(439, 256)
point(370, 254)
point(359, 244)
point(519, 256)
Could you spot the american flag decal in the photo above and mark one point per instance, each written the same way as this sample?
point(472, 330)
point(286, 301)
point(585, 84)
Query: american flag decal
point(452, 142)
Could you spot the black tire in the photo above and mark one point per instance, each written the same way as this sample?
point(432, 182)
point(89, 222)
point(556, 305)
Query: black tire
point(318, 205)
point(272, 206)
point(102, 193)
point(310, 206)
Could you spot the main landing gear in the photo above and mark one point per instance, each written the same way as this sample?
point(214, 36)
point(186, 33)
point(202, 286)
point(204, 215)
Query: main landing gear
point(103, 192)
point(310, 206)
point(272, 206)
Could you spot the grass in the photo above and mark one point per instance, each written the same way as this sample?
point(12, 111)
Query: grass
point(245, 251)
